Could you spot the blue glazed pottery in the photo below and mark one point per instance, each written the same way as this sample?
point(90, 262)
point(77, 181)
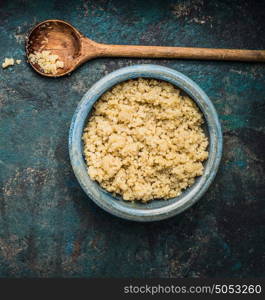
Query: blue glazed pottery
point(157, 209)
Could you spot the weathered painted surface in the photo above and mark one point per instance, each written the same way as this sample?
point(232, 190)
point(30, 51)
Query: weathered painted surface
point(48, 227)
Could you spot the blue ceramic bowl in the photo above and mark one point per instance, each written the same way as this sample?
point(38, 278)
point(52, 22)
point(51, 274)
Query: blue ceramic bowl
point(157, 209)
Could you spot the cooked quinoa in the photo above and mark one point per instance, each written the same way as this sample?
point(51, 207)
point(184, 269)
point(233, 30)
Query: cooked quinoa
point(144, 140)
point(49, 63)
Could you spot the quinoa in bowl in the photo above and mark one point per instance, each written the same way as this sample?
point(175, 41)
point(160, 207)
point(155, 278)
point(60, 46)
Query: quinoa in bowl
point(144, 140)
point(195, 100)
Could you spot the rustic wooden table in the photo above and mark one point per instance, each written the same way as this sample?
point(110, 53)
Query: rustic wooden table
point(48, 226)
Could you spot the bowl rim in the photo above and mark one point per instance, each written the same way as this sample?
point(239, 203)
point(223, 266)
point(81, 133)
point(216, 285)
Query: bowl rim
point(107, 201)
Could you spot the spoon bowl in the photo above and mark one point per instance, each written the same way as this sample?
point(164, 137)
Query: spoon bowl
point(58, 37)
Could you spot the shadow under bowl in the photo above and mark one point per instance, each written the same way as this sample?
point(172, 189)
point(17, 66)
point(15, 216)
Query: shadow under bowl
point(156, 209)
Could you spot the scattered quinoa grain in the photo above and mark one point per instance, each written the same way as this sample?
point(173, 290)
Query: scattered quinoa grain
point(8, 62)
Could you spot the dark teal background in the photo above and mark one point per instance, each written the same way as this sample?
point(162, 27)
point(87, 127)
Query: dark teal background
point(48, 226)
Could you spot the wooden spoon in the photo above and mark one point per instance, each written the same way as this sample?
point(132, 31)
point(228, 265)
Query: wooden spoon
point(74, 49)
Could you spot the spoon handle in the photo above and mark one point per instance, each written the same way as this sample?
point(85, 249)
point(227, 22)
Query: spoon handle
point(181, 52)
